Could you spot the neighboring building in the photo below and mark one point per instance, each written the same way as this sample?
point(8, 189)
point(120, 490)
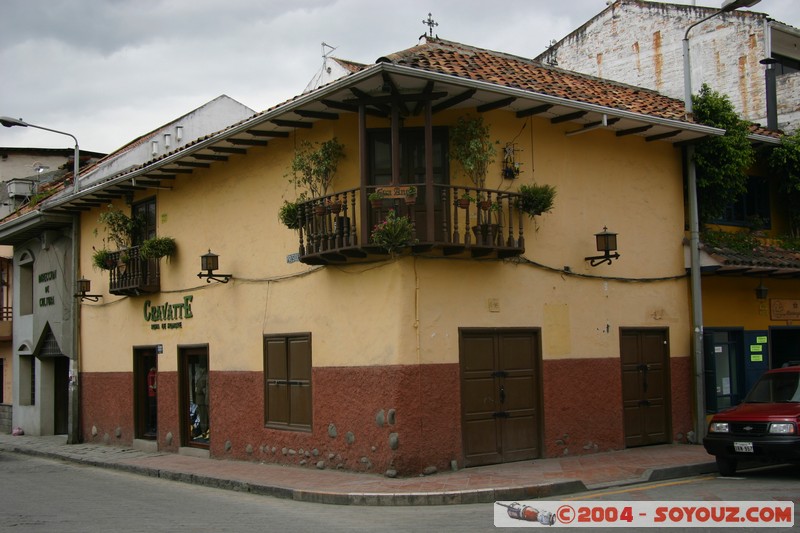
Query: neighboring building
point(23, 172)
point(476, 345)
point(45, 365)
point(640, 42)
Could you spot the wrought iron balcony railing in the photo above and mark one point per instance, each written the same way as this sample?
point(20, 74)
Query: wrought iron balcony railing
point(453, 222)
point(133, 274)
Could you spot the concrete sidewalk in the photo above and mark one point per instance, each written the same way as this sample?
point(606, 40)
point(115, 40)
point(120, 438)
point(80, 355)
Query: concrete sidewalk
point(523, 480)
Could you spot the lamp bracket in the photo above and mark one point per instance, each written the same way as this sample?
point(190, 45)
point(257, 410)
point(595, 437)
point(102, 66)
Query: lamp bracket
point(221, 278)
point(596, 260)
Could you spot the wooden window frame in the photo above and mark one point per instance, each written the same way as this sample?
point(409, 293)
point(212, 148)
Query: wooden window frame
point(292, 384)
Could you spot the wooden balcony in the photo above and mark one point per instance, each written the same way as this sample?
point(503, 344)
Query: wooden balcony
point(336, 229)
point(132, 274)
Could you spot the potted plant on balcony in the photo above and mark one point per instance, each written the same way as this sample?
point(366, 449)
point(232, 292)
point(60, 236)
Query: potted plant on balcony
point(157, 247)
point(394, 233)
point(411, 195)
point(472, 149)
point(376, 198)
point(121, 228)
point(536, 199)
point(314, 166)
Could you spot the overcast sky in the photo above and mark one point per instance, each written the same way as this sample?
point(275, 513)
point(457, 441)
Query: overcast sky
point(108, 71)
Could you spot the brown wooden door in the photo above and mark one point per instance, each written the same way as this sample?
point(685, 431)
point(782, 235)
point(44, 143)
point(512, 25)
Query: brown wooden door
point(500, 391)
point(645, 386)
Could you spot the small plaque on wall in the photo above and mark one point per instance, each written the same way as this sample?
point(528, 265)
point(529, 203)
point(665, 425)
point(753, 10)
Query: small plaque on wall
point(784, 309)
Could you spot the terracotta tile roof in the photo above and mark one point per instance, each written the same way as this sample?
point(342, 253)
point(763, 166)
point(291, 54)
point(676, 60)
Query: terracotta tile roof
point(463, 61)
point(761, 258)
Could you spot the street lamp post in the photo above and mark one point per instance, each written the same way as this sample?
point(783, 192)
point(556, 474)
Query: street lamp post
point(9, 122)
point(694, 228)
point(73, 436)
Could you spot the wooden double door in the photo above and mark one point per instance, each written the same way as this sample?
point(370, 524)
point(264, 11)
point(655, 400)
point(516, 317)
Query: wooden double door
point(644, 355)
point(500, 395)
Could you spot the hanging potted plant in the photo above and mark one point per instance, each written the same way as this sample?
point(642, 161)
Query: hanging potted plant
point(157, 247)
point(536, 199)
point(289, 214)
point(472, 149)
point(103, 259)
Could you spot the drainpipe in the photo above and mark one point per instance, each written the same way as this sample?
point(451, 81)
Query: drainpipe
point(73, 419)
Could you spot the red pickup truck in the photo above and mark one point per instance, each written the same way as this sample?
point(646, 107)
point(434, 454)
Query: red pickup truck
point(764, 427)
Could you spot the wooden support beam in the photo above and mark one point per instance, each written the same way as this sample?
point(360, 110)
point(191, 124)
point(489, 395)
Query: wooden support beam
point(248, 142)
point(210, 157)
point(483, 108)
point(633, 131)
point(569, 116)
point(192, 164)
point(324, 115)
point(226, 150)
point(178, 170)
point(266, 133)
point(533, 110)
point(291, 123)
point(455, 100)
point(661, 136)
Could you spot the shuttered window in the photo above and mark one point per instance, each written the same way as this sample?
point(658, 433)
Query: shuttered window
point(287, 381)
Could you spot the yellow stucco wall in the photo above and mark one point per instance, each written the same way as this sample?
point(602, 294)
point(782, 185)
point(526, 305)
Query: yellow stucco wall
point(409, 310)
point(731, 301)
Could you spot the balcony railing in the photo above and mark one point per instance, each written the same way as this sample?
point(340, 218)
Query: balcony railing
point(133, 274)
point(336, 228)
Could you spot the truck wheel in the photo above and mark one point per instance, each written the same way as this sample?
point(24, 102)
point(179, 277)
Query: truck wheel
point(726, 466)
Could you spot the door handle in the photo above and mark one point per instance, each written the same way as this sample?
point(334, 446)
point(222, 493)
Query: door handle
point(502, 394)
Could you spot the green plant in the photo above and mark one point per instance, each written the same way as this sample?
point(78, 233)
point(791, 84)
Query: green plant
point(471, 147)
point(743, 242)
point(536, 199)
point(121, 228)
point(376, 196)
point(314, 166)
point(722, 162)
point(394, 233)
point(102, 259)
point(157, 247)
point(289, 214)
point(411, 191)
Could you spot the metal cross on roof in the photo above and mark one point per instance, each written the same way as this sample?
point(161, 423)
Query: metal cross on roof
point(430, 23)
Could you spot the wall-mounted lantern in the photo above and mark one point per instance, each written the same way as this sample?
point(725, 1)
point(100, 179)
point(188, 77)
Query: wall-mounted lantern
point(761, 291)
point(210, 262)
point(84, 286)
point(606, 243)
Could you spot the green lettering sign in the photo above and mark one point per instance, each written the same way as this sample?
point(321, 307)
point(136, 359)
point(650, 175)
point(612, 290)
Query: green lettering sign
point(168, 313)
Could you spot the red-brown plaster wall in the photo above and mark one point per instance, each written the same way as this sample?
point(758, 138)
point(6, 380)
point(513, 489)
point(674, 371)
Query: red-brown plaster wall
point(347, 400)
point(582, 406)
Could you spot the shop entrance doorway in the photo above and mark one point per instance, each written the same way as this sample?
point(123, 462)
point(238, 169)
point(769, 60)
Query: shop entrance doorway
point(145, 387)
point(194, 391)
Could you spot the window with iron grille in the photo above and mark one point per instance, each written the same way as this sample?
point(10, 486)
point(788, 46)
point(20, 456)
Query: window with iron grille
point(287, 381)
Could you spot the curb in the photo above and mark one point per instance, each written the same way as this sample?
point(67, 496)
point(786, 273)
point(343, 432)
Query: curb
point(454, 497)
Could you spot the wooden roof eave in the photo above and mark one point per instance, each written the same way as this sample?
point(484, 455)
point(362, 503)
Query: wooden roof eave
point(274, 121)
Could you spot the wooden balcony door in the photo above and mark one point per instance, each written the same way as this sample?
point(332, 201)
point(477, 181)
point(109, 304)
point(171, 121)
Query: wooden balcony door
point(412, 172)
point(500, 395)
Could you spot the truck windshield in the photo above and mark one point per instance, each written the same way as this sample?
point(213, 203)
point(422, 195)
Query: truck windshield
point(776, 388)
